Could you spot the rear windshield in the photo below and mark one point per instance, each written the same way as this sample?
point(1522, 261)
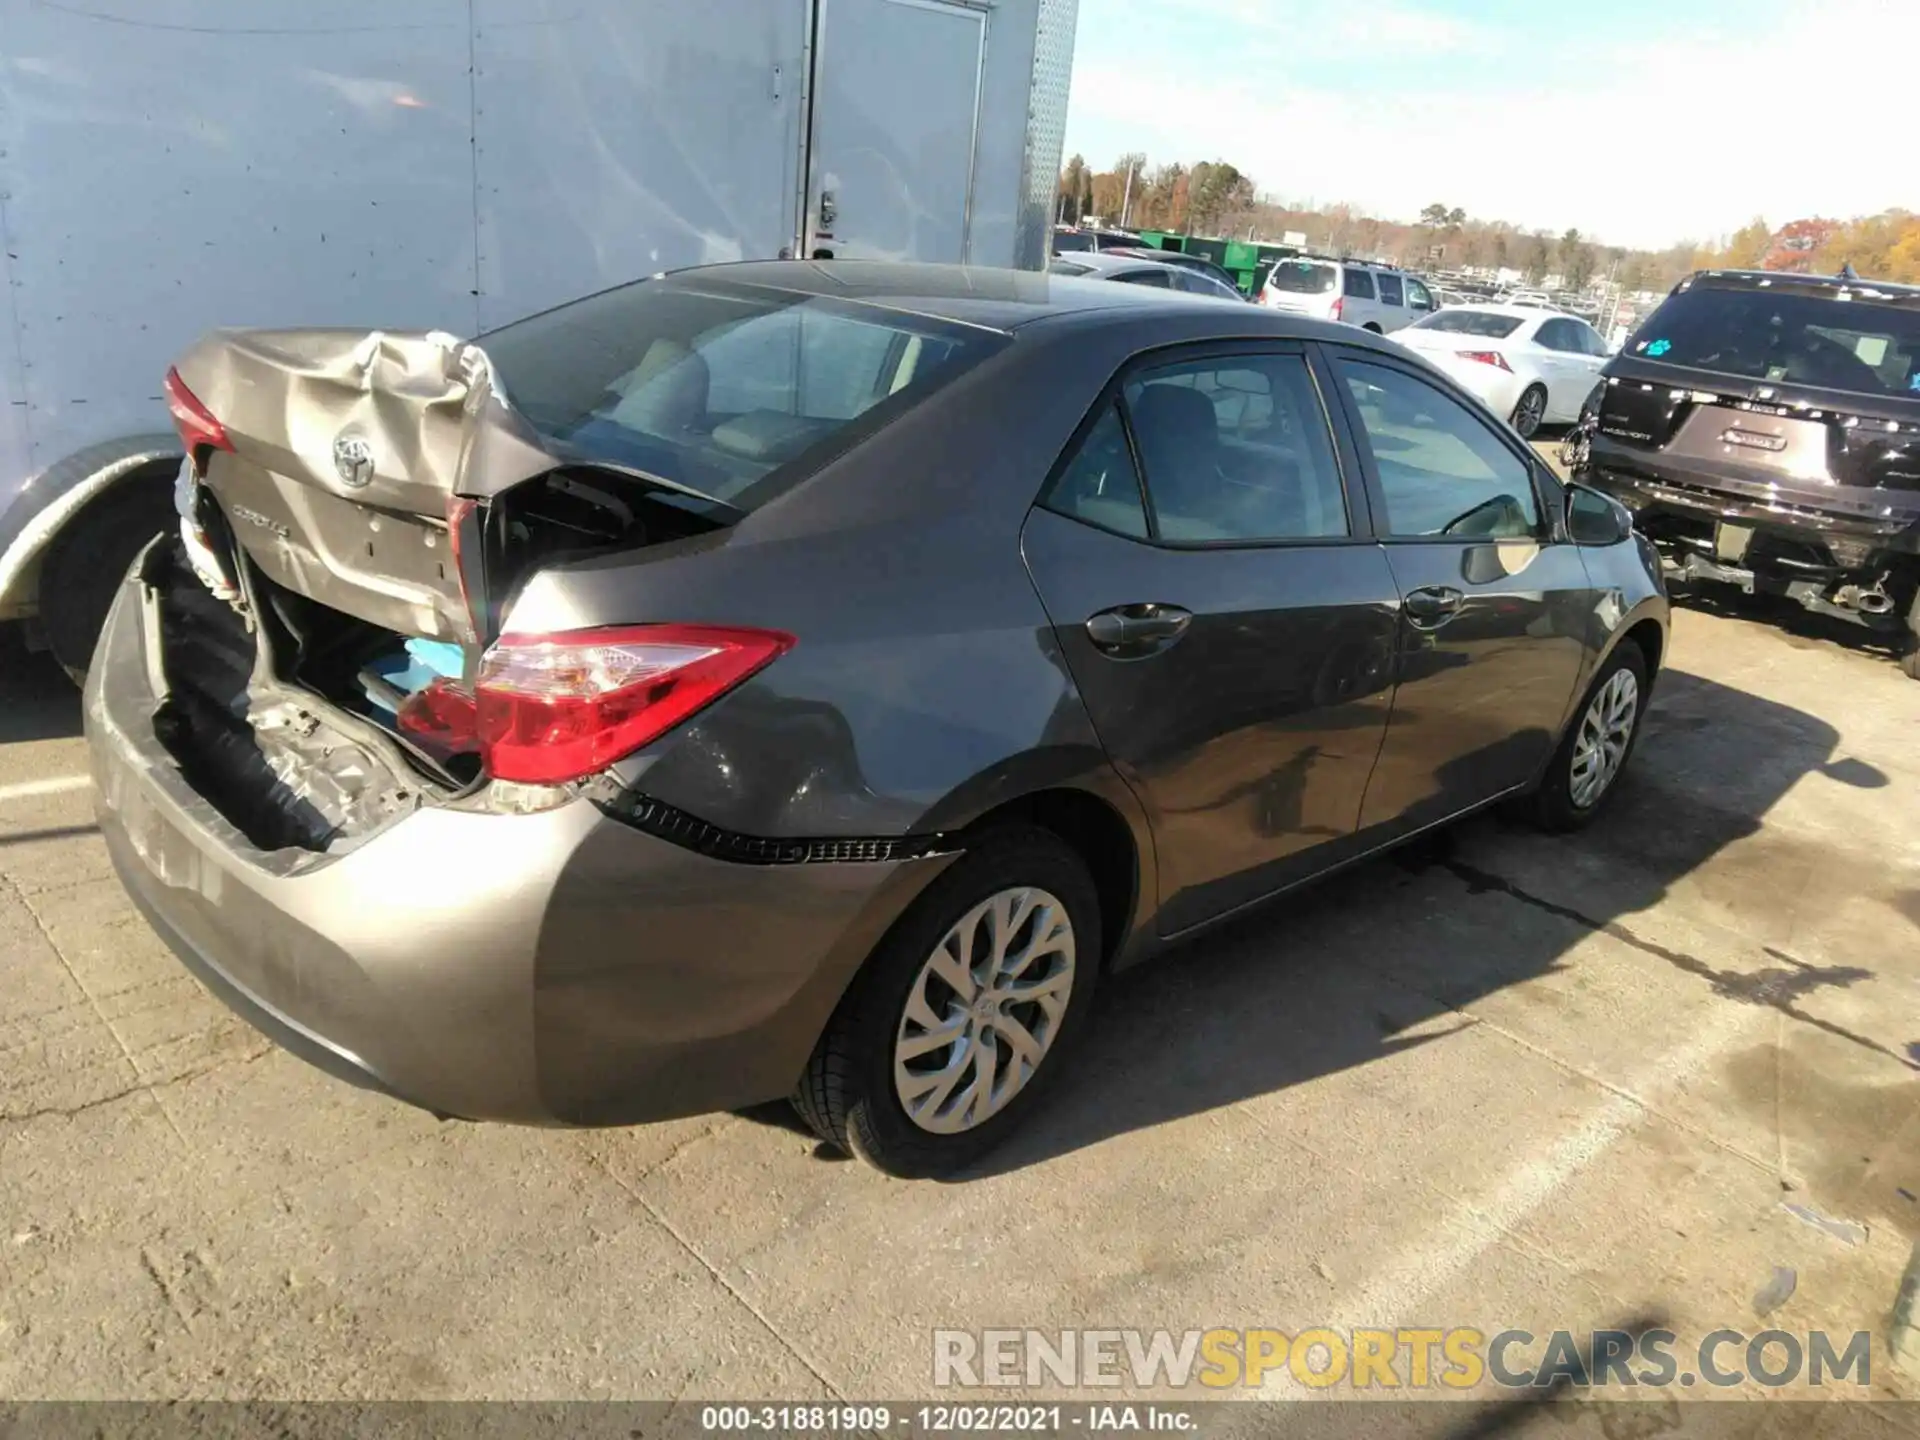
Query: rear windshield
point(1303, 277)
point(1793, 339)
point(1064, 241)
point(1471, 322)
point(717, 387)
point(1068, 267)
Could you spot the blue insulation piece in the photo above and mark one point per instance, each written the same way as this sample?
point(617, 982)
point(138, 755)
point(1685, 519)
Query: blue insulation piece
point(416, 666)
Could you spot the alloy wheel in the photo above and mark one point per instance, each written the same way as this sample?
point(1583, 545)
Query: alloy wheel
point(1605, 732)
point(984, 1010)
point(1527, 415)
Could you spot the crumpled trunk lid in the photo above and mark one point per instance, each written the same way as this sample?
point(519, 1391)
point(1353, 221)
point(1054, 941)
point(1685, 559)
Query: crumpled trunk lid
point(348, 451)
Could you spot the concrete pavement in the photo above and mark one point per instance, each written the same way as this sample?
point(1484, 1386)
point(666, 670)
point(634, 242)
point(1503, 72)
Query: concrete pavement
point(1500, 1081)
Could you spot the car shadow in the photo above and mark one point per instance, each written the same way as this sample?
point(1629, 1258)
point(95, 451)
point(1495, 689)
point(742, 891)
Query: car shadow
point(37, 699)
point(1356, 968)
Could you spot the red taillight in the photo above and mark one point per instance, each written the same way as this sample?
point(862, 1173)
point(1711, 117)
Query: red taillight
point(1339, 304)
point(1487, 357)
point(552, 708)
point(193, 420)
point(440, 717)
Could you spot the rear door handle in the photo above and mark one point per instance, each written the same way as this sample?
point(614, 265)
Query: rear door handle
point(1138, 629)
point(1432, 606)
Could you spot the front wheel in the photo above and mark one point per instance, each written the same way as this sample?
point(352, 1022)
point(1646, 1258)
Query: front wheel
point(1585, 769)
point(1529, 411)
point(960, 1019)
point(1910, 650)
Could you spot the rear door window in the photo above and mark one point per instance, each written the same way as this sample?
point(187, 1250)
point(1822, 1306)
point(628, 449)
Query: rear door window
point(1236, 449)
point(1196, 283)
point(1558, 335)
point(1359, 284)
point(1390, 292)
point(1099, 484)
point(1853, 345)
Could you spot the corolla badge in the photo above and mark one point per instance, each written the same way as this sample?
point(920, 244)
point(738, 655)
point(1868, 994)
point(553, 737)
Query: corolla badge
point(353, 459)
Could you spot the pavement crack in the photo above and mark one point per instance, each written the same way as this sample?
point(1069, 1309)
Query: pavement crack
point(144, 1087)
point(1775, 989)
point(745, 1302)
point(166, 1290)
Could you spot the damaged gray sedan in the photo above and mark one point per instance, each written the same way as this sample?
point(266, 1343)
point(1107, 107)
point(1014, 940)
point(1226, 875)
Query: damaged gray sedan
point(807, 680)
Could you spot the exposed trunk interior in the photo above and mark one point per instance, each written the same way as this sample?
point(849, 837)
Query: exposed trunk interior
point(285, 718)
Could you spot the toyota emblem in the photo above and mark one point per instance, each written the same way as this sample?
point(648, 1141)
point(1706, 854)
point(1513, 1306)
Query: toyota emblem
point(353, 458)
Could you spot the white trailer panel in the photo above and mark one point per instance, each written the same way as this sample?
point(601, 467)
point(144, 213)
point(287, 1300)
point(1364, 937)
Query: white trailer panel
point(169, 166)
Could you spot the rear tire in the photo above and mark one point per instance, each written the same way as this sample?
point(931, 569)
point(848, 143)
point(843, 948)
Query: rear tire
point(1528, 411)
point(1560, 805)
point(1910, 651)
point(89, 557)
point(875, 1051)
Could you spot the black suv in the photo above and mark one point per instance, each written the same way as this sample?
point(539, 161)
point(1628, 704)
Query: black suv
point(1765, 430)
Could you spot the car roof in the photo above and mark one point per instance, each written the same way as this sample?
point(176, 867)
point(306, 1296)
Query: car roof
point(992, 299)
point(1825, 287)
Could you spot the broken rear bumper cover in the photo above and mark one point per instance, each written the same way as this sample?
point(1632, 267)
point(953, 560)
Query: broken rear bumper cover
point(552, 968)
point(1848, 553)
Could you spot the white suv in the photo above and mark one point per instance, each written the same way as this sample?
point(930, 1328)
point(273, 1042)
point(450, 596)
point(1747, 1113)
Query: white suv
point(1374, 297)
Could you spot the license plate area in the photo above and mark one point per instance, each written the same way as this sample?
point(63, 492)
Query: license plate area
point(1730, 542)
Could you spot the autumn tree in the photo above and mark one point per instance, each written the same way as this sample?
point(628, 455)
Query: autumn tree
point(1576, 260)
point(1217, 191)
point(1160, 197)
point(1903, 256)
point(1867, 243)
point(1748, 246)
point(1535, 256)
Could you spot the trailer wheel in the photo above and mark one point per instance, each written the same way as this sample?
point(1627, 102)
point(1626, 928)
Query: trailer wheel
point(88, 558)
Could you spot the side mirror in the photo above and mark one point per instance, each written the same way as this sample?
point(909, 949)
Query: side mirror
point(1596, 519)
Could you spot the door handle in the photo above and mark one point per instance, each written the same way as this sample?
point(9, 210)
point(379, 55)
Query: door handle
point(1137, 629)
point(1432, 606)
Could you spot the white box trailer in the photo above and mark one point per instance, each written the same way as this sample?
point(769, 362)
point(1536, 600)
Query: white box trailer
point(169, 166)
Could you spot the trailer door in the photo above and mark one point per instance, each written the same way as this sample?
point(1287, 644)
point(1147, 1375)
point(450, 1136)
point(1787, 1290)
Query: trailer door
point(896, 111)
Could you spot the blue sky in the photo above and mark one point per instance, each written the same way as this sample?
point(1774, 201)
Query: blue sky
point(1642, 122)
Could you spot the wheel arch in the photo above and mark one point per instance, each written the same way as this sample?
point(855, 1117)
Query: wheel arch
point(1651, 637)
point(1095, 829)
point(60, 496)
